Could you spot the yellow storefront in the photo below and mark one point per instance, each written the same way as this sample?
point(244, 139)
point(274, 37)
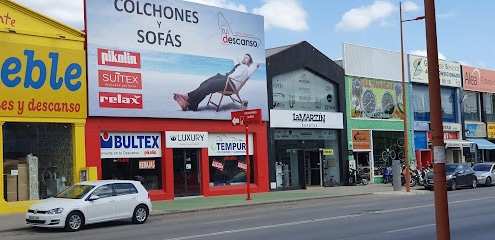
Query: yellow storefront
point(43, 106)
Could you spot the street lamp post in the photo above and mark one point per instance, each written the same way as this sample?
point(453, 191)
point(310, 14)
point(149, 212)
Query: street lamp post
point(404, 105)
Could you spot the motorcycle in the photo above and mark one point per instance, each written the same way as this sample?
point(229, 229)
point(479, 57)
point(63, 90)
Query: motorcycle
point(414, 176)
point(356, 177)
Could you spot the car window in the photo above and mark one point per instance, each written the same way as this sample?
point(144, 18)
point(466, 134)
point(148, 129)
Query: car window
point(75, 191)
point(467, 168)
point(482, 167)
point(125, 188)
point(104, 191)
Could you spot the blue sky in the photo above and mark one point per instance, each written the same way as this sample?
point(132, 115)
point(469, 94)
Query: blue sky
point(464, 34)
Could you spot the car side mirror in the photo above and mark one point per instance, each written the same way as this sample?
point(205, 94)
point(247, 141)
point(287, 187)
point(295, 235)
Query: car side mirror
point(93, 197)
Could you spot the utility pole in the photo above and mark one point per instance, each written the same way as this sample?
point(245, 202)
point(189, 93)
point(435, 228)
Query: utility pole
point(439, 176)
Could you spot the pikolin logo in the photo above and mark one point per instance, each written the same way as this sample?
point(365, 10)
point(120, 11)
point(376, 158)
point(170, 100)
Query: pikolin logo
point(118, 58)
point(227, 36)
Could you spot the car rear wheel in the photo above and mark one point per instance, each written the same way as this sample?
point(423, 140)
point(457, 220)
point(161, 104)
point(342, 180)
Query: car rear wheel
point(74, 222)
point(453, 186)
point(488, 181)
point(140, 214)
point(474, 183)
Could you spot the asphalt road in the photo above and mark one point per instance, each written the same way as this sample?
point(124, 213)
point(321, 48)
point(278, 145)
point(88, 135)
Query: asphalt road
point(471, 216)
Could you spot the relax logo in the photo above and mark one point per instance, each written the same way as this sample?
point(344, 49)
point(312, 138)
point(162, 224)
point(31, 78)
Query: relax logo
point(227, 36)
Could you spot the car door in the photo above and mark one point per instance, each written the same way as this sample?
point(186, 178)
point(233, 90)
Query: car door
point(126, 199)
point(467, 173)
point(103, 208)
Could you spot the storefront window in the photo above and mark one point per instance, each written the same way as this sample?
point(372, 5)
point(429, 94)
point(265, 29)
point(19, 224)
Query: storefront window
point(489, 103)
point(304, 90)
point(421, 103)
point(471, 106)
point(230, 170)
point(303, 154)
point(387, 146)
point(145, 170)
point(37, 160)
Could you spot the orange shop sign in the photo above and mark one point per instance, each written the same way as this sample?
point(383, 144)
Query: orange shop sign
point(146, 164)
point(361, 139)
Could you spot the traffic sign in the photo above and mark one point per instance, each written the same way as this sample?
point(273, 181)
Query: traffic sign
point(246, 117)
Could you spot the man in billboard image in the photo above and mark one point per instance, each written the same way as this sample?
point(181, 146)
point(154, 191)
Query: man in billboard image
point(242, 70)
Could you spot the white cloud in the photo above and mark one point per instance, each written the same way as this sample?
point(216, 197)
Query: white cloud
point(288, 14)
point(68, 12)
point(423, 53)
point(362, 17)
point(410, 6)
point(222, 4)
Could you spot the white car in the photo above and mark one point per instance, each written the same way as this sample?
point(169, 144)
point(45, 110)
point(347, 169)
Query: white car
point(485, 173)
point(92, 202)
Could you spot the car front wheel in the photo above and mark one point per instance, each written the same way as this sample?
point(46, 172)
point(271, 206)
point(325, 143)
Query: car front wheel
point(74, 222)
point(488, 181)
point(140, 214)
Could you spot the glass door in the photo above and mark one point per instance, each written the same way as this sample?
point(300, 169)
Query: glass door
point(186, 172)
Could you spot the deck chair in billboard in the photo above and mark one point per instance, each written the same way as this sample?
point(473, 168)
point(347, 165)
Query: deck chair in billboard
point(231, 90)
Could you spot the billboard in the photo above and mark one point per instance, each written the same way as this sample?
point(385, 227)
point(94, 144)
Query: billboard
point(38, 81)
point(152, 59)
point(449, 72)
point(478, 79)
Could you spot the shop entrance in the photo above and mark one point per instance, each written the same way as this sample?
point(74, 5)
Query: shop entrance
point(313, 168)
point(186, 172)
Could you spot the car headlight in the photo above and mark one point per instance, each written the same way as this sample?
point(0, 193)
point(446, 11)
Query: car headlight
point(55, 211)
point(449, 177)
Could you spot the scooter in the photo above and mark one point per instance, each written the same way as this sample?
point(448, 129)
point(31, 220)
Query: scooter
point(356, 177)
point(387, 175)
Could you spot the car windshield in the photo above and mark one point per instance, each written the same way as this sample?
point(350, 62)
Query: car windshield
point(75, 191)
point(482, 167)
point(450, 168)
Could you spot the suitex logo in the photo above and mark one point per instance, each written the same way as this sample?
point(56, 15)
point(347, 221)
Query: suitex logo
point(117, 58)
point(119, 79)
point(120, 100)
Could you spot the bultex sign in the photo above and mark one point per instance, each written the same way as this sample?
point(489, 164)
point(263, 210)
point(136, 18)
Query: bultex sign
point(130, 145)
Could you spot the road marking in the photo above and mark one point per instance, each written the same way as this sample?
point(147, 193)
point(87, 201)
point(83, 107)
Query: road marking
point(231, 220)
point(411, 228)
point(322, 220)
point(362, 205)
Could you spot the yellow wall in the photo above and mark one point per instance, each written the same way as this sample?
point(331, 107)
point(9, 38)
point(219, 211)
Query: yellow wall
point(27, 33)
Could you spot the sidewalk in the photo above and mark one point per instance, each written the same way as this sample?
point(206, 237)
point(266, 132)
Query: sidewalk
point(17, 221)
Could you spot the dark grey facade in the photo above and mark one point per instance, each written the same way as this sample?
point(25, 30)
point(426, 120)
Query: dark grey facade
point(307, 131)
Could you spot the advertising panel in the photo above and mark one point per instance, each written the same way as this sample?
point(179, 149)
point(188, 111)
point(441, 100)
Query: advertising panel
point(177, 139)
point(130, 145)
point(38, 81)
point(375, 99)
point(229, 144)
point(172, 59)
point(478, 79)
point(450, 72)
point(361, 139)
point(306, 119)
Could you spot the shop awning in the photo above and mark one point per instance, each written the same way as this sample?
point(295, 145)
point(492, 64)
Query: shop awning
point(457, 143)
point(482, 143)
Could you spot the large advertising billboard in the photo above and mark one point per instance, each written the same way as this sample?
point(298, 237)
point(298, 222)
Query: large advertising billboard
point(38, 81)
point(172, 59)
point(478, 79)
point(449, 72)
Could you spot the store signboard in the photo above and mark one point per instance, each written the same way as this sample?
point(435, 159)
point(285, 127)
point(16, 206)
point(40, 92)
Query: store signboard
point(306, 119)
point(175, 139)
point(478, 79)
point(229, 144)
point(449, 72)
point(361, 139)
point(130, 145)
point(165, 48)
point(39, 81)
